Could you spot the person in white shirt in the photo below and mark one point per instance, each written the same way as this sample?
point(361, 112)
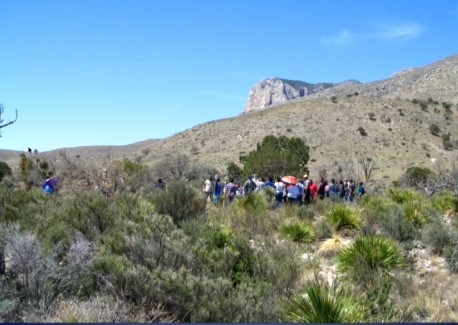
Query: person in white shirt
point(279, 189)
point(208, 187)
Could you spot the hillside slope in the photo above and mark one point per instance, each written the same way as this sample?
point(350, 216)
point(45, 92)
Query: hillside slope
point(396, 114)
point(398, 134)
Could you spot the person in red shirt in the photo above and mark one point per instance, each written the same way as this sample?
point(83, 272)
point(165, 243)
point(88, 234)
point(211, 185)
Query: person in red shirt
point(313, 190)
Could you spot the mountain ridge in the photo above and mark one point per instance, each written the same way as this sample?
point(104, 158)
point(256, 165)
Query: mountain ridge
point(395, 113)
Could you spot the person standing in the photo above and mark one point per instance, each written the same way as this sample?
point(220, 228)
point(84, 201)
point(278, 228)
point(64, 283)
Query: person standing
point(361, 189)
point(208, 187)
point(279, 189)
point(231, 189)
point(218, 191)
point(249, 186)
point(47, 187)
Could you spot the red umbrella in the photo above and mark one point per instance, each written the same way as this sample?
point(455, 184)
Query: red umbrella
point(289, 179)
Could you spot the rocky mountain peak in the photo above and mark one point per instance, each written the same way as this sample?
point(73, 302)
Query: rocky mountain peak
point(274, 91)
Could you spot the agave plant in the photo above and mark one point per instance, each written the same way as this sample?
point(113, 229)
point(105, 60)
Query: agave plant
point(299, 232)
point(322, 303)
point(368, 257)
point(343, 216)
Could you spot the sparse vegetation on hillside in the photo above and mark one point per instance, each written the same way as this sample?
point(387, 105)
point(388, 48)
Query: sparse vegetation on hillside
point(110, 246)
point(169, 255)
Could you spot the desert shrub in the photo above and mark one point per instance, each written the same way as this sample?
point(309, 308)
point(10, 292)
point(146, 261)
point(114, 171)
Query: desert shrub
point(447, 142)
point(322, 303)
point(368, 256)
point(343, 216)
point(32, 270)
point(362, 131)
point(180, 201)
point(451, 255)
point(395, 224)
point(278, 264)
point(434, 129)
point(436, 235)
point(251, 215)
point(103, 309)
point(305, 212)
point(90, 214)
point(323, 228)
point(76, 277)
point(299, 232)
point(417, 175)
point(446, 105)
point(5, 170)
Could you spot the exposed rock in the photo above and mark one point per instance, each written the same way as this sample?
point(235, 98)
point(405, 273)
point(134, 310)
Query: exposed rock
point(273, 91)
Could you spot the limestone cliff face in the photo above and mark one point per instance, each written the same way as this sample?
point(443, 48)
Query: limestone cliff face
point(272, 91)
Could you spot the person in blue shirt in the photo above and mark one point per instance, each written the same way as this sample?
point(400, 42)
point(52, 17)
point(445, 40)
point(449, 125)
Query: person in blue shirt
point(47, 187)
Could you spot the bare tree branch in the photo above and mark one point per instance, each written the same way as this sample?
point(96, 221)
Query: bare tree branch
point(2, 125)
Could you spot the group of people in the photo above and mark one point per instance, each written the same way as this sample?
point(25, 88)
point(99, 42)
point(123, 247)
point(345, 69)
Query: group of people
point(286, 189)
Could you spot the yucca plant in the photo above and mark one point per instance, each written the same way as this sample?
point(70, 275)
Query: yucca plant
point(322, 303)
point(343, 216)
point(299, 232)
point(403, 195)
point(369, 257)
point(417, 212)
point(446, 202)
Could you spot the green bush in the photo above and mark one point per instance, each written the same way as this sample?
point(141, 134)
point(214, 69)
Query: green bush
point(437, 236)
point(343, 216)
point(323, 229)
point(434, 129)
point(5, 170)
point(417, 175)
point(180, 201)
point(299, 232)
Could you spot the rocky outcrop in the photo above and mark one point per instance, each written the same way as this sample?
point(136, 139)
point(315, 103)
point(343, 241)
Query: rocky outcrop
point(273, 91)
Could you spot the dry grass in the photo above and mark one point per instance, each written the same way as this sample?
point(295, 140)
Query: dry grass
point(332, 246)
point(101, 309)
point(435, 297)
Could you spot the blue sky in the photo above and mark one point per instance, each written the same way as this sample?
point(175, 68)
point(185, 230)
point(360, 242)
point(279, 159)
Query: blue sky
point(112, 72)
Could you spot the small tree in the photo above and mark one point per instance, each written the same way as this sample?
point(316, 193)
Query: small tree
point(277, 156)
point(234, 171)
point(367, 165)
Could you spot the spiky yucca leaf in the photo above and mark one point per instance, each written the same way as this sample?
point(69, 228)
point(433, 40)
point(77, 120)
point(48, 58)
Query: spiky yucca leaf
point(322, 303)
point(299, 232)
point(343, 216)
point(370, 254)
